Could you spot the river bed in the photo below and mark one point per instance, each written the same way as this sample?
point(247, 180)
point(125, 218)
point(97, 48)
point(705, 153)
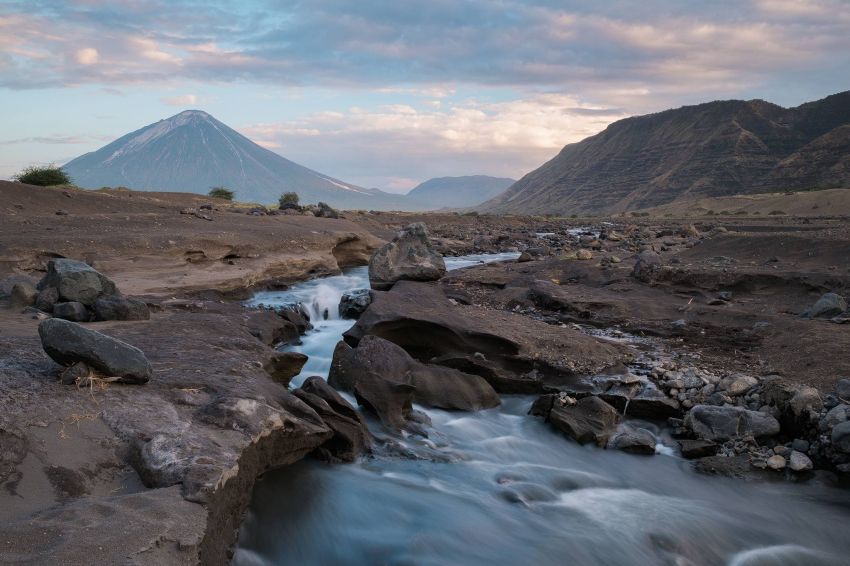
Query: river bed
point(505, 489)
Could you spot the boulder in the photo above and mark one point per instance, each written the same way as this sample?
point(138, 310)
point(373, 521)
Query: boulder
point(353, 303)
point(643, 404)
point(46, 299)
point(633, 440)
point(829, 305)
point(283, 366)
point(590, 420)
point(409, 256)
point(73, 311)
point(391, 401)
point(841, 437)
point(68, 343)
point(724, 423)
point(692, 449)
point(435, 386)
point(350, 434)
point(118, 307)
point(76, 281)
point(23, 294)
point(648, 264)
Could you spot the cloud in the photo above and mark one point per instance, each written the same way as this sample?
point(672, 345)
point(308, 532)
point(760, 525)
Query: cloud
point(393, 145)
point(50, 140)
point(86, 56)
point(181, 100)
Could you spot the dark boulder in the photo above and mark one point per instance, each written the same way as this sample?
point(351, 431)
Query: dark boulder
point(353, 303)
point(708, 422)
point(118, 307)
point(409, 256)
point(283, 366)
point(73, 311)
point(68, 343)
point(841, 437)
point(435, 386)
point(76, 281)
point(647, 266)
point(692, 449)
point(351, 437)
point(391, 401)
point(633, 440)
point(590, 420)
point(46, 299)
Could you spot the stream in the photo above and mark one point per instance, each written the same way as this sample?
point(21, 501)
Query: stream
point(508, 490)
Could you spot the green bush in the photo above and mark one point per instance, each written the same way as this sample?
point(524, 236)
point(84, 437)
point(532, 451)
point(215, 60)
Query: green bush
point(221, 192)
point(44, 176)
point(290, 199)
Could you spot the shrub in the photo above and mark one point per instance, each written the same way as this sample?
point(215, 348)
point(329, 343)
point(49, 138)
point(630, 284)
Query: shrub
point(43, 176)
point(221, 192)
point(776, 212)
point(289, 200)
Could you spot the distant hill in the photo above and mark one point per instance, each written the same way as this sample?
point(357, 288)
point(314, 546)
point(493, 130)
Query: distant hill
point(710, 150)
point(192, 152)
point(459, 192)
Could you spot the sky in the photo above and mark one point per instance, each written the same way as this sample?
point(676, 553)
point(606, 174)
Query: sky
point(388, 94)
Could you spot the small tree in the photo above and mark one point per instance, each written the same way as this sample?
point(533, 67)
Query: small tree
point(43, 176)
point(221, 192)
point(289, 200)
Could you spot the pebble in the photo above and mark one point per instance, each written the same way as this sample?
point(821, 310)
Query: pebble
point(776, 462)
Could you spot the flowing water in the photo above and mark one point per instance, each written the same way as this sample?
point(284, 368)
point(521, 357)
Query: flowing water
point(507, 490)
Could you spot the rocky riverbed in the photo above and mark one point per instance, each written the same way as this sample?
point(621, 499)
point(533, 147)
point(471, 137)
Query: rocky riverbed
point(721, 342)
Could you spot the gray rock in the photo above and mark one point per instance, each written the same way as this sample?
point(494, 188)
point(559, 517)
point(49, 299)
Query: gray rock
point(409, 256)
point(800, 445)
point(806, 399)
point(648, 264)
point(68, 343)
point(835, 416)
point(633, 440)
point(350, 434)
point(73, 311)
point(842, 389)
point(76, 281)
point(724, 423)
point(841, 437)
point(23, 294)
point(692, 449)
point(353, 303)
point(591, 420)
point(118, 307)
point(46, 299)
point(829, 305)
point(799, 462)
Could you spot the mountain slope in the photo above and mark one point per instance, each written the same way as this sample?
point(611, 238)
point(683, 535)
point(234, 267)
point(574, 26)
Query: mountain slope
point(459, 192)
point(709, 150)
point(192, 152)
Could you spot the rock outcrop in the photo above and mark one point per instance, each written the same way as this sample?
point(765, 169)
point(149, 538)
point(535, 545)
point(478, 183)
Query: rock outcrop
point(409, 256)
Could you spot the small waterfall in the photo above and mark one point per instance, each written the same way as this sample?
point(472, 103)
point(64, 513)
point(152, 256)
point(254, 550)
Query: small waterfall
point(324, 304)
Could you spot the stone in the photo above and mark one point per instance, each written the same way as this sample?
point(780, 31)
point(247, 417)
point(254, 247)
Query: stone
point(646, 404)
point(23, 294)
point(118, 307)
point(741, 385)
point(648, 264)
point(46, 299)
point(76, 374)
point(724, 423)
point(353, 303)
point(584, 254)
point(829, 305)
point(68, 343)
point(776, 462)
point(283, 366)
point(842, 389)
point(433, 385)
point(591, 420)
point(392, 402)
point(800, 445)
point(835, 416)
point(693, 449)
point(841, 437)
point(351, 437)
point(633, 440)
point(799, 462)
point(73, 311)
point(409, 256)
point(806, 399)
point(76, 281)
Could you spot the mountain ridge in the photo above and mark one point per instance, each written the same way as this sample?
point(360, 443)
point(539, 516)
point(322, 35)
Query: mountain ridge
point(461, 191)
point(712, 149)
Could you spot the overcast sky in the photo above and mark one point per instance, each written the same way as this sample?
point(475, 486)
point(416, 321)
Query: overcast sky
point(389, 93)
